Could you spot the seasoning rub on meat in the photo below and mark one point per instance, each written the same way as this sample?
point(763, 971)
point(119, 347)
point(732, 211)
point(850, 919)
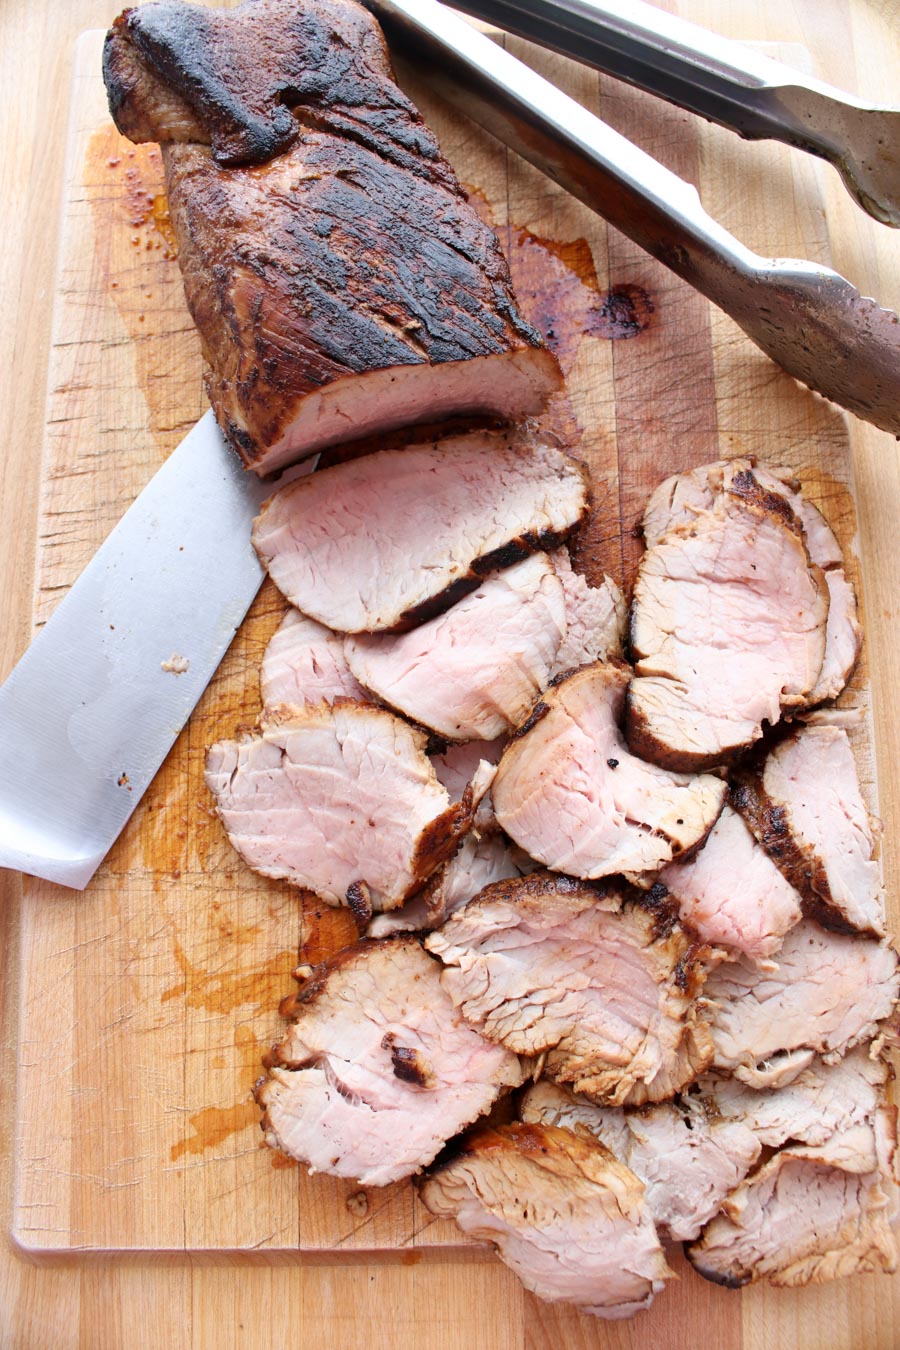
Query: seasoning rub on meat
point(341, 283)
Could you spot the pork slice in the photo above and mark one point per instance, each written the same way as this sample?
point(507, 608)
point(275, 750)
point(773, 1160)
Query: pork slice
point(459, 765)
point(569, 1219)
point(687, 1160)
point(483, 858)
point(801, 1219)
point(805, 806)
point(834, 1104)
point(305, 663)
point(571, 794)
point(341, 799)
point(595, 618)
point(843, 638)
point(680, 498)
point(825, 995)
point(389, 540)
point(475, 670)
point(378, 1069)
point(549, 966)
point(683, 497)
point(731, 893)
point(728, 628)
point(340, 280)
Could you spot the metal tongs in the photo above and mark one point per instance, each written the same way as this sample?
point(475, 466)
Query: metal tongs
point(730, 84)
point(810, 320)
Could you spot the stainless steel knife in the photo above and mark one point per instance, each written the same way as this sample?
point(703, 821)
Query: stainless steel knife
point(95, 704)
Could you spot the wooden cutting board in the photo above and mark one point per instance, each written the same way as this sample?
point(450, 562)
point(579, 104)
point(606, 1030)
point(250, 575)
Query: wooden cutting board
point(147, 1002)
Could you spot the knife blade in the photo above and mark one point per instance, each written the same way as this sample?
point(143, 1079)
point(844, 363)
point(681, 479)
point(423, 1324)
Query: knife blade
point(93, 707)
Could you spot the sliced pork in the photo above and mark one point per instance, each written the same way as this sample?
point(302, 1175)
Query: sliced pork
point(552, 967)
point(731, 893)
point(595, 618)
point(305, 663)
point(843, 638)
point(459, 765)
point(388, 540)
point(683, 497)
point(571, 794)
point(475, 670)
point(805, 806)
point(341, 282)
point(483, 858)
point(341, 799)
point(801, 1219)
point(688, 1160)
point(826, 994)
point(378, 1069)
point(680, 499)
point(569, 1219)
point(841, 1105)
point(728, 629)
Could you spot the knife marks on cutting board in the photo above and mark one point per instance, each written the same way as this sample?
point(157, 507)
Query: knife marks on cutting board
point(135, 254)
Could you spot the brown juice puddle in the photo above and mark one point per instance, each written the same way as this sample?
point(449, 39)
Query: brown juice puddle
point(214, 1124)
point(557, 287)
point(223, 990)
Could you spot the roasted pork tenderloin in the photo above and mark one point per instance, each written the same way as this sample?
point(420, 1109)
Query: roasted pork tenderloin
point(803, 1218)
point(804, 804)
point(341, 799)
point(728, 627)
point(572, 795)
point(681, 498)
point(305, 663)
point(824, 994)
point(556, 968)
point(570, 1220)
point(485, 857)
point(596, 617)
point(341, 282)
point(688, 1160)
point(475, 670)
point(378, 1069)
point(387, 541)
point(731, 893)
point(843, 1105)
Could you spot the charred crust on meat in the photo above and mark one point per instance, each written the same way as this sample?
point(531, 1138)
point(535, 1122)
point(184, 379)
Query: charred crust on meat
point(515, 551)
point(539, 710)
point(645, 745)
point(253, 76)
point(769, 823)
point(441, 839)
point(716, 1276)
point(745, 486)
point(663, 908)
point(359, 900)
point(407, 1063)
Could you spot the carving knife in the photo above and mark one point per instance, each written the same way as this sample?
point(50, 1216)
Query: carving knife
point(95, 704)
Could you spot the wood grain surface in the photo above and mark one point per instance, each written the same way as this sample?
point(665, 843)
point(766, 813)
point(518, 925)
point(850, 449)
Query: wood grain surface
point(144, 1004)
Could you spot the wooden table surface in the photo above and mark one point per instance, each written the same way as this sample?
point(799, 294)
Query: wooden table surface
point(853, 43)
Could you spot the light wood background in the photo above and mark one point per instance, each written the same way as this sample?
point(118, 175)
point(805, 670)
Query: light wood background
point(774, 200)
